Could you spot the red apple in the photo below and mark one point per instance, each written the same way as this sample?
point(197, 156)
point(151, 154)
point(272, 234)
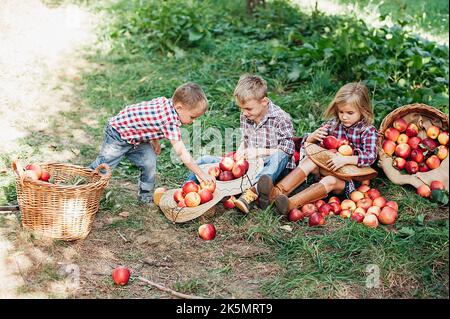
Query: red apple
point(412, 167)
point(356, 196)
point(424, 190)
point(380, 201)
point(433, 132)
point(296, 156)
point(238, 171)
point(325, 209)
point(345, 213)
point(207, 231)
point(389, 147)
point(357, 217)
point(403, 150)
point(31, 174)
point(414, 142)
point(330, 142)
point(442, 153)
point(343, 141)
point(36, 168)
point(400, 124)
point(178, 195)
point(229, 202)
point(231, 155)
point(387, 215)
point(214, 171)
point(334, 199)
point(209, 186)
point(374, 210)
point(226, 164)
point(348, 204)
point(370, 221)
point(308, 209)
point(345, 150)
point(402, 139)
point(45, 176)
point(319, 203)
point(336, 208)
point(373, 193)
point(190, 187)
point(192, 199)
point(433, 162)
point(392, 205)
point(243, 163)
point(417, 156)
point(295, 215)
point(423, 168)
point(226, 176)
point(443, 138)
point(436, 185)
point(429, 144)
point(364, 203)
point(121, 275)
point(391, 134)
point(205, 195)
point(363, 188)
point(316, 219)
point(412, 130)
point(181, 203)
point(399, 163)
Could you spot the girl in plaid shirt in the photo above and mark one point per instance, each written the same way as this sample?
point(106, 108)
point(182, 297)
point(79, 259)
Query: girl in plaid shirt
point(351, 119)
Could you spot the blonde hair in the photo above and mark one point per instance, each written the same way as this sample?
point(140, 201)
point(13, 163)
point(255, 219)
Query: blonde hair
point(191, 96)
point(354, 94)
point(250, 87)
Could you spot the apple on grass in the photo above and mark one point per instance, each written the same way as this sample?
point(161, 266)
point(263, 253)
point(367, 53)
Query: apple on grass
point(325, 209)
point(319, 203)
point(363, 188)
point(345, 213)
point(334, 199)
point(357, 217)
point(373, 193)
point(229, 202)
point(356, 196)
point(295, 215)
point(424, 190)
point(335, 207)
point(364, 203)
point(436, 185)
point(380, 202)
point(316, 219)
point(348, 204)
point(121, 275)
point(392, 204)
point(370, 221)
point(387, 215)
point(207, 231)
point(374, 210)
point(308, 209)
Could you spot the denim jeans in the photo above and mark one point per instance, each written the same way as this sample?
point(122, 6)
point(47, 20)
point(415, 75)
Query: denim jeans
point(114, 148)
point(274, 165)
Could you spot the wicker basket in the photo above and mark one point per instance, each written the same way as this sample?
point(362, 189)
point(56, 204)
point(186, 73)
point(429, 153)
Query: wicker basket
point(423, 116)
point(57, 211)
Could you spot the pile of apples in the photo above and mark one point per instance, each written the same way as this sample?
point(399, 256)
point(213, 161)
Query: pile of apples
point(337, 145)
point(366, 205)
point(36, 173)
point(192, 194)
point(229, 168)
point(414, 150)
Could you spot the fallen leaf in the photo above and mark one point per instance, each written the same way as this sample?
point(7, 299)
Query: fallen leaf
point(286, 228)
point(124, 214)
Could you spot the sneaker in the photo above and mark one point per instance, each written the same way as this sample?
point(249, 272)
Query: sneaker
point(145, 197)
point(244, 201)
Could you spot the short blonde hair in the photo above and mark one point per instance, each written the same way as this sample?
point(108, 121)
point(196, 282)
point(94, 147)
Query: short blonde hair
point(250, 87)
point(191, 96)
point(355, 94)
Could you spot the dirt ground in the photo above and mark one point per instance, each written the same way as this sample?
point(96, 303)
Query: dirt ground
point(40, 65)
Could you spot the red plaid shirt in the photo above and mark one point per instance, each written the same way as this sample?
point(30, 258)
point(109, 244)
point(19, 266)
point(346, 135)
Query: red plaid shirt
point(361, 136)
point(275, 131)
point(149, 120)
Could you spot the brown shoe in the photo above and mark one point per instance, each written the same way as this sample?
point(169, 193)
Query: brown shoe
point(315, 192)
point(244, 201)
point(265, 188)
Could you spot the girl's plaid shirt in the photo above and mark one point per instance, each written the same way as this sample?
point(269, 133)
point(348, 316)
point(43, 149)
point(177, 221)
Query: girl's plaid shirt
point(361, 136)
point(275, 131)
point(149, 120)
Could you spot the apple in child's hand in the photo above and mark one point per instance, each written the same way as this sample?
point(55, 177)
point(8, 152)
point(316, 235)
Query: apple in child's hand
point(226, 176)
point(330, 142)
point(207, 231)
point(205, 195)
point(36, 168)
point(400, 124)
point(214, 171)
point(345, 150)
point(226, 164)
point(178, 195)
point(192, 199)
point(229, 202)
point(121, 275)
point(343, 141)
point(295, 215)
point(209, 186)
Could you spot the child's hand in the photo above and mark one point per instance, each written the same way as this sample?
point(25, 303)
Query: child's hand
point(156, 146)
point(318, 135)
point(207, 178)
point(337, 162)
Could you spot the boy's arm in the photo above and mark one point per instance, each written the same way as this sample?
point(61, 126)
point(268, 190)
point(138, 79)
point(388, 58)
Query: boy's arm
point(186, 158)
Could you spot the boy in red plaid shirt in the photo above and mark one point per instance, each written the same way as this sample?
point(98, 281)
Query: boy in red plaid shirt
point(136, 130)
point(352, 114)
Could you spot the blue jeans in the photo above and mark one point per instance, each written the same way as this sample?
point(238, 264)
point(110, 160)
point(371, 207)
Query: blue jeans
point(274, 165)
point(114, 148)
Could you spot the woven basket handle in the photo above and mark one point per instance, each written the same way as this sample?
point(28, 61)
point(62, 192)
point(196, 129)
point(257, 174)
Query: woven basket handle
point(106, 168)
point(17, 171)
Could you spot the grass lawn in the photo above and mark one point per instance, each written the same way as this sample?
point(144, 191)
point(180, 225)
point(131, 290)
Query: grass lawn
point(260, 255)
